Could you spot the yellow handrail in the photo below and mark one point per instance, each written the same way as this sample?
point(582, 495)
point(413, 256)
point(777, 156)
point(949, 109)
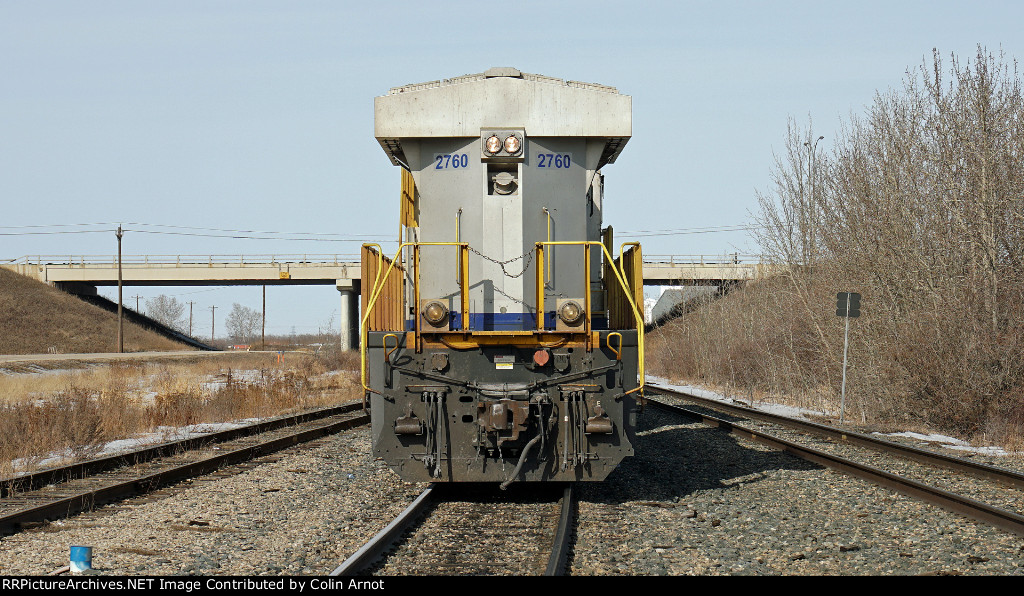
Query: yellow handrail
point(608, 342)
point(547, 265)
point(378, 287)
point(540, 287)
point(619, 274)
point(387, 355)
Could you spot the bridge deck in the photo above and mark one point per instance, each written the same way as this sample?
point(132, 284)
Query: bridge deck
point(181, 270)
point(191, 270)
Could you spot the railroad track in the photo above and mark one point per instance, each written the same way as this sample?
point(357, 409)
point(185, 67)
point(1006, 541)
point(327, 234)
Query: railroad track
point(976, 490)
point(479, 532)
point(68, 490)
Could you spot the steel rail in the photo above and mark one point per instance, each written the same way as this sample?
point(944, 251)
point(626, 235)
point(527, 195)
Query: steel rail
point(373, 550)
point(558, 562)
point(122, 489)
point(35, 480)
point(960, 504)
point(979, 470)
point(376, 549)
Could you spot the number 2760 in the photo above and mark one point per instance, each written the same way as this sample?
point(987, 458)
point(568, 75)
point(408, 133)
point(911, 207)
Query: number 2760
point(553, 160)
point(448, 160)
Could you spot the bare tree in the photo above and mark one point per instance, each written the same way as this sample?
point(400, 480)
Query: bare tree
point(167, 310)
point(917, 205)
point(922, 211)
point(243, 323)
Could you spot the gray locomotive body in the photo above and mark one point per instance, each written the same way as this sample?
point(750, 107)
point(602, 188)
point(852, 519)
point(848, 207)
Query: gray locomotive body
point(503, 341)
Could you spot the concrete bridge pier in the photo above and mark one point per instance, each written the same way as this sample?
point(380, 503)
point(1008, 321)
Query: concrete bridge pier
point(349, 316)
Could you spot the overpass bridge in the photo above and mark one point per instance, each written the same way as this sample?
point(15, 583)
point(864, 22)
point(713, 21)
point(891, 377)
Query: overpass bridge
point(81, 274)
point(188, 270)
point(704, 270)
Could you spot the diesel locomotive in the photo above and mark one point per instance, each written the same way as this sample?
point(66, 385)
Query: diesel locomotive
point(503, 340)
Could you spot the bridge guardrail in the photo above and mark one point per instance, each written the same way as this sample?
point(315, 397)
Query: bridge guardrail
point(317, 259)
point(720, 259)
point(209, 260)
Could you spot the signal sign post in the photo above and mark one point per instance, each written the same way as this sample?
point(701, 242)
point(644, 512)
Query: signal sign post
point(847, 305)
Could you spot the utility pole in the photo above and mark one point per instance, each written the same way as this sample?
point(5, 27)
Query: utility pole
point(190, 318)
point(263, 333)
point(137, 303)
point(120, 314)
point(213, 315)
point(808, 234)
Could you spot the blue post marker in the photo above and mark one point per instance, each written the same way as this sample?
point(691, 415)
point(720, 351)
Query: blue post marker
point(81, 558)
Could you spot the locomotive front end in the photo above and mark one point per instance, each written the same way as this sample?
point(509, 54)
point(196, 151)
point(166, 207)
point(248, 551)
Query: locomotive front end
point(502, 341)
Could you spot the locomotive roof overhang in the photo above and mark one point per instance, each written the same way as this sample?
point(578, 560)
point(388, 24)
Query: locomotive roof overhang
point(543, 106)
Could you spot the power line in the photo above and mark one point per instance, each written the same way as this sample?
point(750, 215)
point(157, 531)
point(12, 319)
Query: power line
point(364, 238)
point(57, 226)
point(176, 230)
point(198, 232)
point(51, 233)
point(246, 237)
point(201, 291)
point(254, 231)
point(685, 231)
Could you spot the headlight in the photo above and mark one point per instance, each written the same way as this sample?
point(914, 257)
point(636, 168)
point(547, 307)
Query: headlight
point(502, 145)
point(570, 312)
point(512, 144)
point(493, 144)
point(435, 313)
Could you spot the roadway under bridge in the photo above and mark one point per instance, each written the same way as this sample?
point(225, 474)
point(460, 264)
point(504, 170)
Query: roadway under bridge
point(83, 274)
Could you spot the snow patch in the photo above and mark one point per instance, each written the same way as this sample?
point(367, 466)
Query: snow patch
point(945, 441)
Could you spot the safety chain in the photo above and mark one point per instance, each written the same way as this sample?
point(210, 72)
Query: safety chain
point(526, 264)
point(512, 298)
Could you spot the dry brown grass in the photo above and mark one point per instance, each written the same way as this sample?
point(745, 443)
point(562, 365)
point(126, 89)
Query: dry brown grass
point(746, 344)
point(36, 318)
point(779, 343)
point(74, 413)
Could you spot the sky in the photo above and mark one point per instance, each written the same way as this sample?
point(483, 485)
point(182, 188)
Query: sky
point(246, 128)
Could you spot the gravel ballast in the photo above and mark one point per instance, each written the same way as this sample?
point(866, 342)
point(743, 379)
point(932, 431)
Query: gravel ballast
point(301, 514)
point(698, 501)
point(694, 500)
